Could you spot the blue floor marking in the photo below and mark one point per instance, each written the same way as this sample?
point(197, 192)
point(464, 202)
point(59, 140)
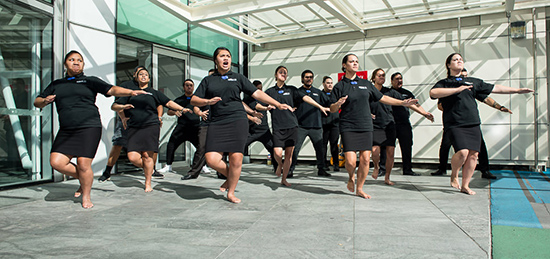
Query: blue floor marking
point(540, 187)
point(509, 205)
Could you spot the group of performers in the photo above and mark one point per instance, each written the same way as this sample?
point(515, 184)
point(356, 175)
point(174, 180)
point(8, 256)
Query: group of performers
point(368, 117)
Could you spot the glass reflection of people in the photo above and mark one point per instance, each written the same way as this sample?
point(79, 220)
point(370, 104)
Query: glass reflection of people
point(21, 98)
point(79, 123)
point(144, 124)
point(461, 121)
point(228, 129)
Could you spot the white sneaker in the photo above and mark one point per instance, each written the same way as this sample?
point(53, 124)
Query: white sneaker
point(166, 169)
point(206, 170)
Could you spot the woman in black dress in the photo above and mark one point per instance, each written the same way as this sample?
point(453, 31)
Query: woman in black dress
point(228, 128)
point(354, 95)
point(461, 121)
point(144, 124)
point(79, 123)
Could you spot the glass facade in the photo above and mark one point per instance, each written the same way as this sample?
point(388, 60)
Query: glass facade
point(25, 69)
point(144, 20)
point(204, 41)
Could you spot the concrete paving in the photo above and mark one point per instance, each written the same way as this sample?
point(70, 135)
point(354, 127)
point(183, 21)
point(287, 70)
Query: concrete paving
point(419, 217)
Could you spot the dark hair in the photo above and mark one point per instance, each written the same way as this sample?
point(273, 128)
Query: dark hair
point(464, 70)
point(136, 69)
point(395, 74)
point(211, 70)
point(374, 73)
point(73, 52)
point(345, 60)
point(448, 61)
point(216, 52)
point(190, 80)
point(325, 78)
point(307, 71)
point(279, 67)
point(256, 82)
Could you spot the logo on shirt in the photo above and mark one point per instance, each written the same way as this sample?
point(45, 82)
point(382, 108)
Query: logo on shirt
point(353, 82)
point(286, 94)
point(468, 83)
point(232, 79)
point(328, 93)
point(308, 91)
point(224, 77)
point(362, 87)
point(280, 91)
point(83, 81)
point(188, 98)
point(315, 94)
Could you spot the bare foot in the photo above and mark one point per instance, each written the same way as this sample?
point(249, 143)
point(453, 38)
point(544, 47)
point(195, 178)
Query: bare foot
point(223, 187)
point(148, 187)
point(467, 190)
point(388, 182)
point(279, 171)
point(233, 199)
point(455, 183)
point(78, 193)
point(351, 185)
point(375, 173)
point(87, 203)
point(285, 183)
point(362, 194)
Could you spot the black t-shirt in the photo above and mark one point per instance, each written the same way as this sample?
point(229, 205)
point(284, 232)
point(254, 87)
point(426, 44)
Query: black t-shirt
point(382, 112)
point(287, 94)
point(401, 114)
point(229, 88)
point(326, 101)
point(145, 111)
point(309, 117)
point(189, 118)
point(355, 114)
point(75, 100)
point(460, 109)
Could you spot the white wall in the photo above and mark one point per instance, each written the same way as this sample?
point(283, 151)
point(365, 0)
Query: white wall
point(91, 32)
point(419, 52)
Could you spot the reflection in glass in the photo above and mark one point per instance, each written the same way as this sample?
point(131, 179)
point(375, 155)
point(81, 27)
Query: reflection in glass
point(25, 69)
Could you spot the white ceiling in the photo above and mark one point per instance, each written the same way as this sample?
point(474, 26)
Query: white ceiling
point(279, 20)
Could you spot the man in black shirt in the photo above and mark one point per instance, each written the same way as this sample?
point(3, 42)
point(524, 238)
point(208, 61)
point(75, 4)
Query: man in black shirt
point(330, 123)
point(309, 121)
point(187, 129)
point(259, 132)
point(403, 125)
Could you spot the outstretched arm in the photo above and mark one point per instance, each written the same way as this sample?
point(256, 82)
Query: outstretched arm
point(436, 93)
point(500, 89)
point(313, 103)
point(417, 108)
point(396, 102)
point(263, 97)
point(489, 101)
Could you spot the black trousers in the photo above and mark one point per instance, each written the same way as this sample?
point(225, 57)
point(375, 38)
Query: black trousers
point(179, 135)
point(199, 160)
point(264, 136)
point(483, 156)
point(316, 137)
point(331, 133)
point(405, 136)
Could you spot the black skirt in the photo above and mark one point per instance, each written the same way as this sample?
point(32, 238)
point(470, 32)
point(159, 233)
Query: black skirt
point(285, 137)
point(143, 139)
point(228, 137)
point(357, 140)
point(384, 137)
point(81, 142)
point(466, 138)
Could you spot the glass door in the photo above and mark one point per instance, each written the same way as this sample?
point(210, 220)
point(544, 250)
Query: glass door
point(170, 69)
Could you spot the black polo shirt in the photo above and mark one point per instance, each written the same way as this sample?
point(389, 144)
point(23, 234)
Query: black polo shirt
point(401, 114)
point(332, 118)
point(355, 114)
point(75, 100)
point(145, 111)
point(309, 117)
point(287, 94)
point(229, 88)
point(189, 118)
point(460, 109)
point(383, 112)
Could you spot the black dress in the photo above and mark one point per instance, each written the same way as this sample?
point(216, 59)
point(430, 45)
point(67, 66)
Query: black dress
point(355, 115)
point(228, 128)
point(460, 114)
point(79, 122)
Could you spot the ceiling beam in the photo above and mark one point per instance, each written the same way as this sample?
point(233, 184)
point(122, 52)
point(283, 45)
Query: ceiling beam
point(227, 30)
point(176, 8)
point(335, 8)
point(233, 8)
